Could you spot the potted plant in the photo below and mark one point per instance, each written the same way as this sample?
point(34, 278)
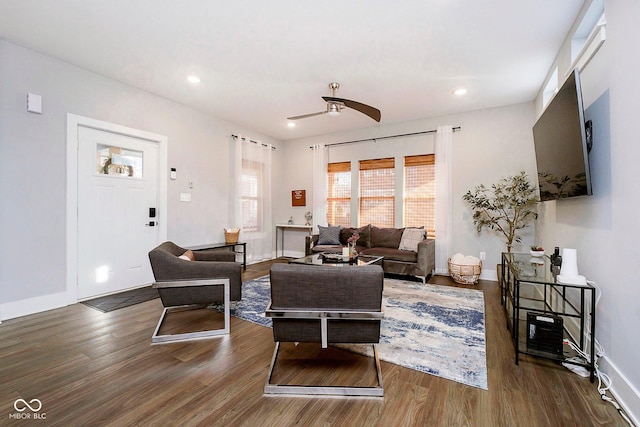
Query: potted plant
point(506, 207)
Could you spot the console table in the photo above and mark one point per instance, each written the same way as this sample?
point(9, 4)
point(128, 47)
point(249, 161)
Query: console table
point(283, 227)
point(234, 247)
point(528, 287)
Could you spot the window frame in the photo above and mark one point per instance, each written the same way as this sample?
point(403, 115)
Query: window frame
point(332, 170)
point(366, 166)
point(258, 169)
point(426, 160)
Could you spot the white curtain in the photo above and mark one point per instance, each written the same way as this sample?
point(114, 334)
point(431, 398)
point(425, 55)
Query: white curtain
point(319, 186)
point(254, 219)
point(444, 210)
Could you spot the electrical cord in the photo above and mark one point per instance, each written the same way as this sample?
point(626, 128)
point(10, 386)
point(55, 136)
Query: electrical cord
point(604, 381)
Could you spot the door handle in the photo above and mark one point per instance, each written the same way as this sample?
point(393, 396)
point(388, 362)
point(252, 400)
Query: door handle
point(151, 224)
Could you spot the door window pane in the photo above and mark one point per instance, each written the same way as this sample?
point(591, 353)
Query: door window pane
point(118, 161)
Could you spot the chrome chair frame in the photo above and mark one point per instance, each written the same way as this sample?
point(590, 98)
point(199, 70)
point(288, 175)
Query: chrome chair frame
point(189, 336)
point(324, 316)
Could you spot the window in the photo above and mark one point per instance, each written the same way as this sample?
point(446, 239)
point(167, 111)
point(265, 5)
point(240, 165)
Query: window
point(550, 88)
point(420, 192)
point(377, 200)
point(251, 198)
point(339, 194)
point(589, 35)
point(118, 161)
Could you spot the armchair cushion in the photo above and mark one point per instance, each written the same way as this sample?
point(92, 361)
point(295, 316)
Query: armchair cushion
point(302, 288)
point(208, 264)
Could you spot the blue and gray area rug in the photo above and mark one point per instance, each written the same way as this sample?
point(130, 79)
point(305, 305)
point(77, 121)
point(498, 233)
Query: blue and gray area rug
point(434, 329)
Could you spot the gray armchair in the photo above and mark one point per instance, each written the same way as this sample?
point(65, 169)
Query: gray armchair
point(326, 304)
point(213, 276)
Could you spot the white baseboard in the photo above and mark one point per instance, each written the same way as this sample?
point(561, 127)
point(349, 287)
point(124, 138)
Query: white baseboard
point(625, 393)
point(293, 254)
point(489, 275)
point(484, 274)
point(25, 307)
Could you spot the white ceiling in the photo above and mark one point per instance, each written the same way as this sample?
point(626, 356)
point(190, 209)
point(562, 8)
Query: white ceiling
point(262, 61)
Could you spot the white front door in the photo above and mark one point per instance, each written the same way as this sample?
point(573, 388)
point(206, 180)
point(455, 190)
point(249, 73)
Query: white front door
point(117, 193)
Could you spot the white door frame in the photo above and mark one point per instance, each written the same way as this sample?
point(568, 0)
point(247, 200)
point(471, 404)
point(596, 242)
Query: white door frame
point(73, 122)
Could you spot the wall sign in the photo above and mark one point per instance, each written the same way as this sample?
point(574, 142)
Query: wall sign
point(298, 198)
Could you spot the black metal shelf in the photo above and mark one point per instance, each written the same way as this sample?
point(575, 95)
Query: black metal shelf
point(528, 285)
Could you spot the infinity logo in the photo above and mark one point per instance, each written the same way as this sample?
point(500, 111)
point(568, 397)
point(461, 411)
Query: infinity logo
point(37, 405)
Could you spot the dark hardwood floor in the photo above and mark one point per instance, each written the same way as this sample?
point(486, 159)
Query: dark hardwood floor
point(93, 368)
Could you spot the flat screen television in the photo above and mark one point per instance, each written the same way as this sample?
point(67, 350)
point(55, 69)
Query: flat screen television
point(562, 143)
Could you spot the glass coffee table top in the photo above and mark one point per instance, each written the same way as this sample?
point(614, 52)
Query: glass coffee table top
point(319, 259)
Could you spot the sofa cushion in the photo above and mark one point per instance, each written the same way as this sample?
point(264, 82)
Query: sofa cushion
point(329, 235)
point(391, 254)
point(386, 237)
point(364, 232)
point(410, 239)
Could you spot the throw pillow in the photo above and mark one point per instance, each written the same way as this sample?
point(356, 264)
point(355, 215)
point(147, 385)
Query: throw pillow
point(364, 232)
point(188, 255)
point(410, 239)
point(329, 235)
point(386, 237)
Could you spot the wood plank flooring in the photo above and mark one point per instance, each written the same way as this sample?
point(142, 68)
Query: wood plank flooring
point(93, 368)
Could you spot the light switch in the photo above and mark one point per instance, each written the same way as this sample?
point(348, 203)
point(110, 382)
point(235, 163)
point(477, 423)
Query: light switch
point(185, 197)
point(173, 174)
point(34, 103)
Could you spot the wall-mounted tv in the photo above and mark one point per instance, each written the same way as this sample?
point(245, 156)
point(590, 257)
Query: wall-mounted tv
point(562, 144)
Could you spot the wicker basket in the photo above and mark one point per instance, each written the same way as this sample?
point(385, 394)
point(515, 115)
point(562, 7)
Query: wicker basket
point(231, 235)
point(465, 274)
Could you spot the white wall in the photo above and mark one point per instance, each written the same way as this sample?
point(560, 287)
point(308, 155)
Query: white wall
point(32, 165)
point(603, 227)
point(492, 144)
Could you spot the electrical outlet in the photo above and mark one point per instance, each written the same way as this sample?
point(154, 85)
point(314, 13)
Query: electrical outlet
point(185, 197)
point(483, 256)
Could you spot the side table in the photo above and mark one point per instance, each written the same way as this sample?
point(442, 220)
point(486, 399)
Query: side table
point(528, 287)
point(283, 227)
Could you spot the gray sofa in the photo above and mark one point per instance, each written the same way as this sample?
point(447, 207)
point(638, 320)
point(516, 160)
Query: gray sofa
point(384, 242)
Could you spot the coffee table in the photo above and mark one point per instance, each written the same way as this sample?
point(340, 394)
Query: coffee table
point(317, 259)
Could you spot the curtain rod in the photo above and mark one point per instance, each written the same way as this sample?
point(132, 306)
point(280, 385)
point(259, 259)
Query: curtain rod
point(455, 129)
point(255, 142)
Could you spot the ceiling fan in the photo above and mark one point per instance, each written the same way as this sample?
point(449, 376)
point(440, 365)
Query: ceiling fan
point(335, 105)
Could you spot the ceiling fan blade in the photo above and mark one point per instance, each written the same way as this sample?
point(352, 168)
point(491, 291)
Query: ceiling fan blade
point(370, 111)
point(304, 116)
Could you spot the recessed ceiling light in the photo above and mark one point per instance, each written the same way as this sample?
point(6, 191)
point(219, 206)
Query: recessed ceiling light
point(193, 79)
point(460, 91)
point(291, 124)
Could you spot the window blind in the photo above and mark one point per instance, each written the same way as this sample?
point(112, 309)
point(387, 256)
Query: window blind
point(377, 198)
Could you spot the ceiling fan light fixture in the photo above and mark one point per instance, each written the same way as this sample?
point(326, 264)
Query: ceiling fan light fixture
point(336, 105)
point(333, 109)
